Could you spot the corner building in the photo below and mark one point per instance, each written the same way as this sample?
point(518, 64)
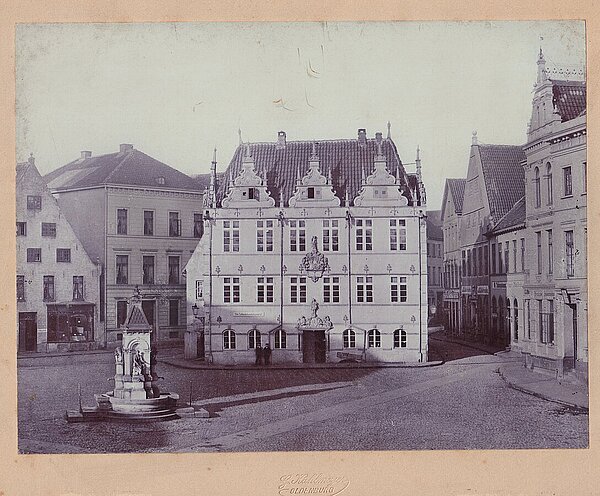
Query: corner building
point(555, 288)
point(318, 249)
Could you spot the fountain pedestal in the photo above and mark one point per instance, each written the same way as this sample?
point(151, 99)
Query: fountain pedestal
point(136, 395)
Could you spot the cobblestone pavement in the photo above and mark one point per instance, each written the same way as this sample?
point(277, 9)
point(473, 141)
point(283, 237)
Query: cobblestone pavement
point(463, 404)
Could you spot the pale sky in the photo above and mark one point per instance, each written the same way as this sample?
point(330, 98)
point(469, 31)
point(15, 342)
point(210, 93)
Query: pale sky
point(175, 91)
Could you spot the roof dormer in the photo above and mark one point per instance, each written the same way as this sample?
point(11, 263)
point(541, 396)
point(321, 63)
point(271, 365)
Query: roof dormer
point(248, 189)
point(314, 189)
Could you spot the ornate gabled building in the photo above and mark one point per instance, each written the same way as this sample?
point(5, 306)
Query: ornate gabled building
point(555, 289)
point(316, 248)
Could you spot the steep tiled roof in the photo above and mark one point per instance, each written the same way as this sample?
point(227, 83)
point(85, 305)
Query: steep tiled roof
point(202, 180)
point(434, 231)
point(21, 170)
point(504, 177)
point(130, 168)
point(514, 218)
point(569, 98)
point(346, 159)
point(457, 188)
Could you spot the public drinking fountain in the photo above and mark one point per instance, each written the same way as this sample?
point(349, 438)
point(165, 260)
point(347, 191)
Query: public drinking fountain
point(136, 396)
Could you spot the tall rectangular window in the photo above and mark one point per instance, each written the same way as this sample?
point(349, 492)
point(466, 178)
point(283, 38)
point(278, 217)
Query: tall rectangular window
point(231, 235)
point(231, 290)
point(364, 289)
point(567, 181)
point(264, 235)
point(198, 225)
point(297, 235)
point(528, 318)
point(174, 225)
point(364, 234)
point(34, 202)
point(63, 255)
point(78, 288)
point(541, 318)
point(475, 265)
point(550, 252)
point(331, 289)
point(199, 289)
point(298, 290)
point(21, 228)
point(570, 253)
point(147, 269)
point(539, 252)
point(506, 259)
point(522, 254)
point(264, 290)
point(493, 258)
point(48, 288)
point(121, 313)
point(464, 262)
point(551, 321)
point(398, 289)
point(122, 269)
point(121, 221)
point(20, 288)
point(398, 234)
point(469, 263)
point(584, 170)
point(549, 184)
point(173, 312)
point(330, 235)
point(514, 243)
point(173, 270)
point(148, 223)
point(49, 229)
point(481, 249)
point(34, 254)
point(500, 261)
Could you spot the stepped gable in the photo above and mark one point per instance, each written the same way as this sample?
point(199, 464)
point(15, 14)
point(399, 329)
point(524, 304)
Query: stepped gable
point(503, 175)
point(346, 160)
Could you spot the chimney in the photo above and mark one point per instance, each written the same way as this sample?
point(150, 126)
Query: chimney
point(474, 141)
point(281, 139)
point(85, 154)
point(378, 137)
point(362, 137)
point(125, 147)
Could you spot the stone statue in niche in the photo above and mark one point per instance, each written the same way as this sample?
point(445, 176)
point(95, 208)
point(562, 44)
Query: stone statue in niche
point(138, 363)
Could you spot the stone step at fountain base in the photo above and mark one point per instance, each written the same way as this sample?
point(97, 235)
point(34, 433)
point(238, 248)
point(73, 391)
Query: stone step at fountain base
point(127, 410)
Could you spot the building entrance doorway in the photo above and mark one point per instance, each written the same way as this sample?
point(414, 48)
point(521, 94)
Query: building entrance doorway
point(27, 331)
point(314, 348)
point(149, 307)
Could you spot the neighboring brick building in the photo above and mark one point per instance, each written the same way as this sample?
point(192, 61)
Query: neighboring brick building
point(494, 184)
point(555, 292)
point(507, 238)
point(142, 219)
point(435, 267)
point(318, 249)
point(57, 282)
point(452, 203)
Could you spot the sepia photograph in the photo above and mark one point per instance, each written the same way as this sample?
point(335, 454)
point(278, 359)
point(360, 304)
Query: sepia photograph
point(300, 237)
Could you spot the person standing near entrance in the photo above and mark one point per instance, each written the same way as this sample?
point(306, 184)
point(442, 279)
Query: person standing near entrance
point(259, 355)
point(267, 354)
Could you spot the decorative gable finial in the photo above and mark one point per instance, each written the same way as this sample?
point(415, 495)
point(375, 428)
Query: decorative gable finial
point(240, 135)
point(541, 63)
point(329, 181)
point(474, 141)
point(313, 155)
point(389, 129)
point(248, 154)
